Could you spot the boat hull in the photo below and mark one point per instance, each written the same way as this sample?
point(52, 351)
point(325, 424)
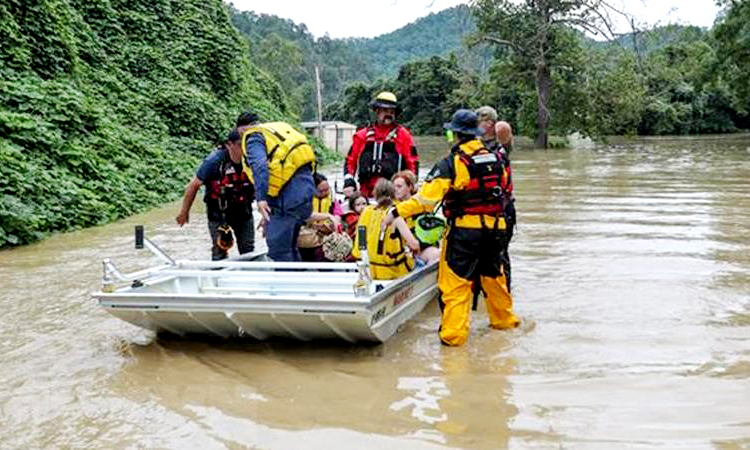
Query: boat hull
point(265, 300)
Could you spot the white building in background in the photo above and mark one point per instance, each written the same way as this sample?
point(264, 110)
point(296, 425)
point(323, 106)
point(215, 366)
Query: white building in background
point(336, 135)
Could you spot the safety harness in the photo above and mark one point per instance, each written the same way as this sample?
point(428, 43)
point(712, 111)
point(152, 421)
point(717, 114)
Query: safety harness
point(235, 187)
point(488, 190)
point(380, 157)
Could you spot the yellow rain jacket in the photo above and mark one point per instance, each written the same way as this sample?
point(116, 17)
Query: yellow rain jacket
point(448, 173)
point(471, 253)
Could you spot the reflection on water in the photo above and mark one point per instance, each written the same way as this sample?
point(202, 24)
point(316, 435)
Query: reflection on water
point(631, 273)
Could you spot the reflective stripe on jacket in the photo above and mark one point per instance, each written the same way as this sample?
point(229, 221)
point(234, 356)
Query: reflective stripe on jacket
point(451, 173)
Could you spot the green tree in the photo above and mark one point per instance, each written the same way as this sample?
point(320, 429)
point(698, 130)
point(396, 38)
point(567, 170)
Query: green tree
point(732, 36)
point(353, 106)
point(537, 34)
point(424, 89)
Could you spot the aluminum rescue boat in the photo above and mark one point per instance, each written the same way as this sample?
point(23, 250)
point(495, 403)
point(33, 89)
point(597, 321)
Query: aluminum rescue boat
point(256, 298)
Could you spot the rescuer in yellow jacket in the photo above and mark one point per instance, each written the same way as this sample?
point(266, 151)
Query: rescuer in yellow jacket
point(475, 187)
point(281, 163)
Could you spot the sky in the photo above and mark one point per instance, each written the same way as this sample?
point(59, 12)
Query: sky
point(370, 18)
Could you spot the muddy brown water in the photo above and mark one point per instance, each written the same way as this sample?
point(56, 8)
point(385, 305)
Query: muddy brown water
point(631, 275)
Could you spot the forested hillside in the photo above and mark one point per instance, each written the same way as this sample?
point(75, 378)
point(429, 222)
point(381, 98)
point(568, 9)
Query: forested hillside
point(107, 106)
point(289, 52)
point(437, 34)
point(667, 80)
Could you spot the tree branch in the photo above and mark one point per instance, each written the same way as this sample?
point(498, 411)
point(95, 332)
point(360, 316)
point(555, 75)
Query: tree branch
point(496, 40)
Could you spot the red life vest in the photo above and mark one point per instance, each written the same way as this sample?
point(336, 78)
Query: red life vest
point(489, 189)
point(350, 220)
point(380, 157)
point(233, 187)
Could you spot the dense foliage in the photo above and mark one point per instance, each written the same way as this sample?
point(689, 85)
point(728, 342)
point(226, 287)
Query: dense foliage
point(107, 106)
point(289, 52)
point(669, 80)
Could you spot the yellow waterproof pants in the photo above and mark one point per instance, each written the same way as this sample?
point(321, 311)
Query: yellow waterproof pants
point(470, 254)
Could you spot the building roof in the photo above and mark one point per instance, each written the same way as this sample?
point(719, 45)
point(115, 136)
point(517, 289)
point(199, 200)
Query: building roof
point(328, 124)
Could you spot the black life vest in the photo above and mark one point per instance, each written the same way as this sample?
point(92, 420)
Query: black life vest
point(489, 189)
point(233, 187)
point(380, 157)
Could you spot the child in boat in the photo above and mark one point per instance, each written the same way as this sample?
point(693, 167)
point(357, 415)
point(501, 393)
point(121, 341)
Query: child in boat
point(386, 248)
point(356, 204)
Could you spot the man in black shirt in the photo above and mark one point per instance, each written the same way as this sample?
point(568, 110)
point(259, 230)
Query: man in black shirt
point(229, 196)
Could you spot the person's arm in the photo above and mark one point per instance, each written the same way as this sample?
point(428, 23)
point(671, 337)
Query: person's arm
point(352, 158)
point(257, 159)
point(191, 189)
point(408, 236)
point(436, 184)
point(406, 141)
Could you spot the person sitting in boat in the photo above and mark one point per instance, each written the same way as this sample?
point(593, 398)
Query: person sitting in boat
point(324, 220)
point(381, 149)
point(324, 204)
point(357, 203)
point(386, 246)
point(229, 197)
point(404, 185)
point(350, 187)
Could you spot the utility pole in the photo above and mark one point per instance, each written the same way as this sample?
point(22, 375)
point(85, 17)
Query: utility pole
point(320, 104)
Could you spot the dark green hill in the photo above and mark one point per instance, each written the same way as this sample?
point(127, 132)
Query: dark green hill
point(437, 34)
point(647, 42)
point(107, 106)
point(288, 51)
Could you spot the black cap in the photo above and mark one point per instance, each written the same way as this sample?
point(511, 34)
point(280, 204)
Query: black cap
point(349, 182)
point(464, 121)
point(233, 136)
point(246, 118)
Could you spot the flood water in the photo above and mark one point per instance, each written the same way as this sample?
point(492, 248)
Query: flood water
point(631, 273)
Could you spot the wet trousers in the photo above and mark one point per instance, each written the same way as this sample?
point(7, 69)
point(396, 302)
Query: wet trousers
point(289, 211)
point(469, 255)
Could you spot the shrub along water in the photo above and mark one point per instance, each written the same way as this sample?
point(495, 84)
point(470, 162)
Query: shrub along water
point(107, 106)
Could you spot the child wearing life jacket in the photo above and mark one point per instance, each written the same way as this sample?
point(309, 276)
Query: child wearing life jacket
point(390, 250)
point(356, 203)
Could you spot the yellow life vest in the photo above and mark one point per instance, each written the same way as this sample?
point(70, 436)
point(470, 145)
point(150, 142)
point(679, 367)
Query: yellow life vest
point(287, 150)
point(388, 258)
point(322, 205)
